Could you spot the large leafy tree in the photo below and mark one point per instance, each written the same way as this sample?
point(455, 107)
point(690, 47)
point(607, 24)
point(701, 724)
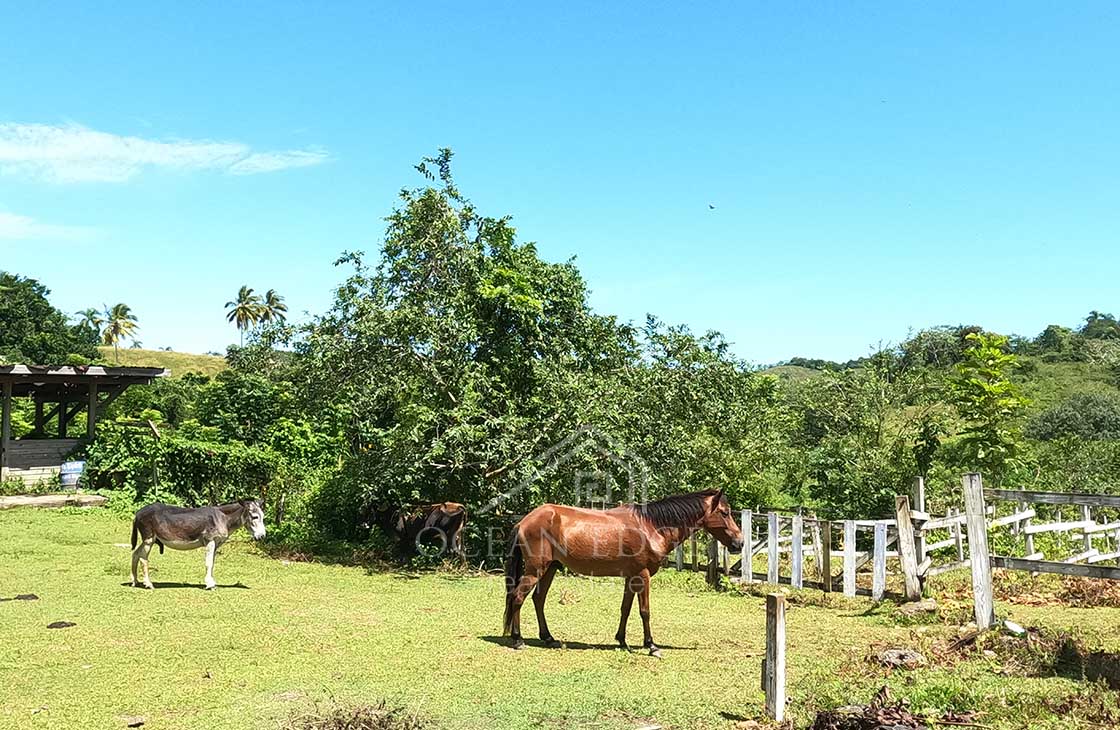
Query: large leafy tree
point(990, 404)
point(33, 331)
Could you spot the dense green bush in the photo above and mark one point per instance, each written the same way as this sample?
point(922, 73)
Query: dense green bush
point(196, 472)
point(1089, 416)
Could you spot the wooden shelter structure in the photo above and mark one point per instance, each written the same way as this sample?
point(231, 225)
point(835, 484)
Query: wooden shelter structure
point(60, 393)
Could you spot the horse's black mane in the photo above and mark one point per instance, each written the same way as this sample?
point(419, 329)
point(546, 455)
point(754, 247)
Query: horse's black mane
point(679, 510)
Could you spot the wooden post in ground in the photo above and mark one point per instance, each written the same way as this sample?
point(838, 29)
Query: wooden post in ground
point(5, 427)
point(63, 420)
point(713, 562)
point(826, 556)
point(797, 552)
point(957, 537)
point(772, 548)
point(1087, 516)
point(91, 412)
point(977, 523)
point(849, 558)
point(879, 563)
point(815, 539)
point(919, 503)
point(678, 557)
point(906, 547)
point(1028, 537)
point(746, 569)
point(695, 553)
point(774, 668)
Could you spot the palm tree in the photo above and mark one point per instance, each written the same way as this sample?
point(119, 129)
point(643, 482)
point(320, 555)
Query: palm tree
point(273, 309)
point(245, 311)
point(120, 322)
point(90, 318)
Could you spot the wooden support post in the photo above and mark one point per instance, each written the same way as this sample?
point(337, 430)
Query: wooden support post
point(979, 557)
point(725, 556)
point(5, 426)
point(797, 552)
point(849, 558)
point(695, 553)
point(957, 538)
point(63, 421)
point(906, 548)
point(713, 562)
point(772, 548)
point(815, 538)
point(919, 503)
point(774, 674)
point(1087, 516)
point(746, 567)
point(40, 424)
point(826, 556)
point(879, 563)
point(1028, 537)
point(91, 412)
point(678, 556)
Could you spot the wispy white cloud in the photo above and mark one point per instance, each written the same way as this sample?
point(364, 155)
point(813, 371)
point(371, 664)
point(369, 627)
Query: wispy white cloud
point(22, 228)
point(74, 153)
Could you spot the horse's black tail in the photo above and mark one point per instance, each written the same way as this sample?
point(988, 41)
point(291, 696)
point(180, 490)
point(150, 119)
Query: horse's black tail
point(515, 568)
point(135, 533)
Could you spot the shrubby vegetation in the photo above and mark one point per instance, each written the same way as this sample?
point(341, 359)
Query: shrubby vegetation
point(459, 365)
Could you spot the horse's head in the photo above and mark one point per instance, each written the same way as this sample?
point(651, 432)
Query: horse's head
point(253, 517)
point(721, 524)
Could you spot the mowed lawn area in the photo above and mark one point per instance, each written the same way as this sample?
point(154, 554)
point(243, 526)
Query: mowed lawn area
point(277, 637)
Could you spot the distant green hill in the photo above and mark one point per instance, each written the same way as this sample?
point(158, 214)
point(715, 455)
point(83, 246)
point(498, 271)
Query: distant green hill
point(179, 363)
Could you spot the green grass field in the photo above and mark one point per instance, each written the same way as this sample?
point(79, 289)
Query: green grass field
point(179, 363)
point(293, 634)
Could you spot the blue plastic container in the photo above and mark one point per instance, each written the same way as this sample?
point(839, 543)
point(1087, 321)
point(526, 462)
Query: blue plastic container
point(71, 474)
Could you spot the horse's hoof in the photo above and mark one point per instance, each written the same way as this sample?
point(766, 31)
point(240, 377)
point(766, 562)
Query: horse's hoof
point(518, 644)
point(552, 643)
point(655, 652)
point(624, 646)
point(149, 586)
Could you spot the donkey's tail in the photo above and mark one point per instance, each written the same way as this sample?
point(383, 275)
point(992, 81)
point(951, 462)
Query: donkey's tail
point(515, 568)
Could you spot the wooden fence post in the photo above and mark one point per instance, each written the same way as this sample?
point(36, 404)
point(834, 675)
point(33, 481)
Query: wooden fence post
point(826, 556)
point(678, 557)
point(695, 553)
point(906, 545)
point(919, 503)
point(772, 548)
point(815, 538)
point(879, 563)
point(1028, 537)
point(774, 669)
point(713, 562)
point(849, 558)
point(957, 537)
point(1087, 516)
point(746, 566)
point(977, 523)
point(796, 552)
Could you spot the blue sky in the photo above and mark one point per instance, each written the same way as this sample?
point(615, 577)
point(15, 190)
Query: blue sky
point(874, 167)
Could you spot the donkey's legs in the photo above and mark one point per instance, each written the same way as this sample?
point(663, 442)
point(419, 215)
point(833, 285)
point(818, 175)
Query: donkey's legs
point(629, 584)
point(211, 548)
point(144, 548)
point(643, 610)
point(539, 597)
point(136, 561)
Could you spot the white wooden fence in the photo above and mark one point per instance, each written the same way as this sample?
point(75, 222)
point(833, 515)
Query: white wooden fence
point(800, 550)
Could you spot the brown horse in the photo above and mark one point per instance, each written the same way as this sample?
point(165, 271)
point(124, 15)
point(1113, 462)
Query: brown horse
point(629, 541)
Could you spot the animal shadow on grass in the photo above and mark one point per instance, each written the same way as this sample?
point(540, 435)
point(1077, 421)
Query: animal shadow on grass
point(199, 586)
point(579, 645)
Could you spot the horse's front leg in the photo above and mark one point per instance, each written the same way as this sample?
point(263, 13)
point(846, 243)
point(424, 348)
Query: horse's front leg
point(630, 586)
point(643, 611)
point(211, 549)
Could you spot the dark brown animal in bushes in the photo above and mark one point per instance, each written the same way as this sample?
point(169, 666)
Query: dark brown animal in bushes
point(439, 525)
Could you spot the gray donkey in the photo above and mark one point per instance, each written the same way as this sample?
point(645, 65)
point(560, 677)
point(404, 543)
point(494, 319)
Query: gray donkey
point(185, 528)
